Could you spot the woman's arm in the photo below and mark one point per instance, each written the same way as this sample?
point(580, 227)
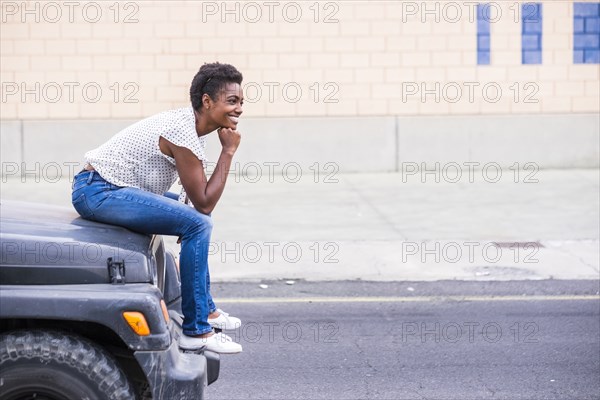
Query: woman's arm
point(203, 194)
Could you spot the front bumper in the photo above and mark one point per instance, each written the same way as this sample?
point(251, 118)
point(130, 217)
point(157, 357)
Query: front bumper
point(174, 374)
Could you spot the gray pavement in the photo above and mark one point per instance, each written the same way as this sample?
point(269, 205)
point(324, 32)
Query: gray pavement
point(473, 340)
point(394, 226)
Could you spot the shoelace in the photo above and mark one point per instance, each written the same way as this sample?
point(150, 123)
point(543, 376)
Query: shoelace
point(223, 338)
point(222, 312)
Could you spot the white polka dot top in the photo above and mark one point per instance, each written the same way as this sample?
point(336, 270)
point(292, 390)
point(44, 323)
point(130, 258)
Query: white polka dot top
point(132, 157)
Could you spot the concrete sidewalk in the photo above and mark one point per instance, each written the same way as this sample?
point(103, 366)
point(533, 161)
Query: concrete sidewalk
point(389, 227)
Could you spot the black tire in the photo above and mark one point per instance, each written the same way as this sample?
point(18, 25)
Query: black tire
point(51, 365)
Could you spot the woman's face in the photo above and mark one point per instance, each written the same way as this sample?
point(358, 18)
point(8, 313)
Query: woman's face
point(226, 109)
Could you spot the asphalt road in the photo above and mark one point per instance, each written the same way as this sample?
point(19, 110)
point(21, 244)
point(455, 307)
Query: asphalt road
point(436, 340)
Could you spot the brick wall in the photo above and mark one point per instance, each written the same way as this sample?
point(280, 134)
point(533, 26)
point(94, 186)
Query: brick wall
point(96, 60)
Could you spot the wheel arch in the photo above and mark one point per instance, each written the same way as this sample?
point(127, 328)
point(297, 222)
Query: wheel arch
point(101, 335)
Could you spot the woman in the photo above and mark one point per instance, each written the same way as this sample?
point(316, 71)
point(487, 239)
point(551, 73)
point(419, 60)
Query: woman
point(125, 182)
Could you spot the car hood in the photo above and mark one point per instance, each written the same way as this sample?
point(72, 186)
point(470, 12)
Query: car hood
point(45, 244)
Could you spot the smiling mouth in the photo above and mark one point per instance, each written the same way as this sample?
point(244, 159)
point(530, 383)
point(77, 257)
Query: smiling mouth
point(234, 119)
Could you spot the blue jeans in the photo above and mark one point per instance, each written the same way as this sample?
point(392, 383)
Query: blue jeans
point(98, 200)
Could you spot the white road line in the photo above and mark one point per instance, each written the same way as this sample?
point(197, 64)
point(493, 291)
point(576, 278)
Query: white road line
point(413, 299)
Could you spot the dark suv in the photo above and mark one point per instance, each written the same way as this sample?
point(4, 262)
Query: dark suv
point(90, 311)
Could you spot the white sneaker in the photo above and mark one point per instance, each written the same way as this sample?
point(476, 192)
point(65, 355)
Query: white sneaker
point(224, 321)
point(218, 342)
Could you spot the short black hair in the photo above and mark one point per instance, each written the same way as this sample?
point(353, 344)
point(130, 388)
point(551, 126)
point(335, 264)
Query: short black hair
point(210, 79)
